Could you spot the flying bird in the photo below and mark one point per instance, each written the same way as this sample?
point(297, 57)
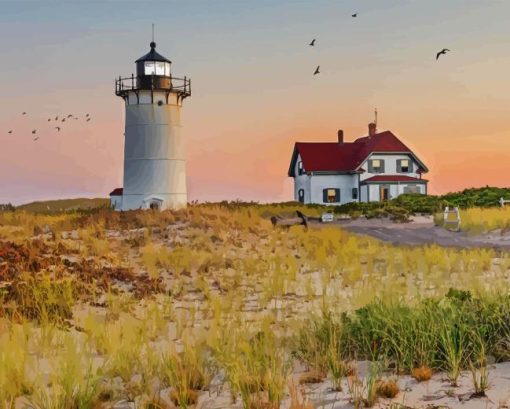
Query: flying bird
point(63, 119)
point(23, 113)
point(442, 52)
point(312, 43)
point(69, 116)
point(355, 15)
point(317, 70)
point(9, 132)
point(56, 118)
point(87, 115)
point(88, 119)
point(49, 119)
point(57, 128)
point(36, 138)
point(34, 131)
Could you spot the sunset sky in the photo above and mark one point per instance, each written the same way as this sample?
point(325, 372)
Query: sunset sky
point(254, 94)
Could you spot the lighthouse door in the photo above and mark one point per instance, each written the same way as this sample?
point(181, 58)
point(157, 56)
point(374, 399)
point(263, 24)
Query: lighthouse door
point(153, 203)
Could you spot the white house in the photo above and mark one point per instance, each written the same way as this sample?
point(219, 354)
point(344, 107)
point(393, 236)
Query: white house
point(373, 168)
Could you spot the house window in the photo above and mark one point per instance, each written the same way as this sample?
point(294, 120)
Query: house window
point(404, 166)
point(331, 195)
point(301, 195)
point(355, 193)
point(412, 189)
point(300, 168)
point(376, 166)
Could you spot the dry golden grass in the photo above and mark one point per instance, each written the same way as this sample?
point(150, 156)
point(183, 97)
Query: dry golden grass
point(422, 374)
point(478, 220)
point(311, 377)
point(387, 388)
point(138, 291)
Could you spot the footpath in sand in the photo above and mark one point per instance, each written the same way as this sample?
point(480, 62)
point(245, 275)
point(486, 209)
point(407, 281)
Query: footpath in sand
point(421, 230)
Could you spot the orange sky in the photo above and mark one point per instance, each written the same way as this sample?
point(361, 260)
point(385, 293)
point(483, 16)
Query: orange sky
point(253, 92)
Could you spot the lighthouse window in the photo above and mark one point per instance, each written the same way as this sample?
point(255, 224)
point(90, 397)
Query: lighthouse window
point(160, 68)
point(167, 69)
point(150, 68)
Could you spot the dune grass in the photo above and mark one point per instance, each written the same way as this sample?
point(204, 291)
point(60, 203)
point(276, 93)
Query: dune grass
point(112, 306)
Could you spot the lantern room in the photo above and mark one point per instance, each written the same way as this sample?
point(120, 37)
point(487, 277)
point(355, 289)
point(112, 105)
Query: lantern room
point(153, 70)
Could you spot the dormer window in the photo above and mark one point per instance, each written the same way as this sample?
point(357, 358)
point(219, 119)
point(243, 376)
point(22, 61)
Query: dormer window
point(376, 166)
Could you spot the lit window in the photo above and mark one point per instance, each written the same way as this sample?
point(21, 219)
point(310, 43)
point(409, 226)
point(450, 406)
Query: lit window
point(331, 195)
point(150, 68)
point(167, 69)
point(404, 165)
point(160, 68)
point(376, 166)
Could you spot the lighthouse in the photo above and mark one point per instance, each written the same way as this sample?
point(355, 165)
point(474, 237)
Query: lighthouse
point(154, 154)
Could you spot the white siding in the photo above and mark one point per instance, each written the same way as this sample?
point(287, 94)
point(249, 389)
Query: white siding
point(343, 182)
point(301, 182)
point(363, 194)
point(390, 165)
point(374, 194)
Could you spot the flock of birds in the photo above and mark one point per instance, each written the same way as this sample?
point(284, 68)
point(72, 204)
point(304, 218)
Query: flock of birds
point(58, 120)
point(317, 70)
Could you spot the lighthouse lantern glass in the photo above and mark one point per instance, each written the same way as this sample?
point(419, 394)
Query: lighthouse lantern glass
point(150, 68)
point(167, 69)
point(160, 68)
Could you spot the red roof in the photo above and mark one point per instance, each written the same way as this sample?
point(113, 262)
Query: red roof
point(117, 192)
point(346, 156)
point(393, 178)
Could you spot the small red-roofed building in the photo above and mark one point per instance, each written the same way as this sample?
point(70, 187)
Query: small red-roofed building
point(116, 198)
point(373, 168)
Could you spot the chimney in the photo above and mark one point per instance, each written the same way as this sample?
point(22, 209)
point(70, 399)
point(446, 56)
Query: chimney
point(372, 129)
point(340, 136)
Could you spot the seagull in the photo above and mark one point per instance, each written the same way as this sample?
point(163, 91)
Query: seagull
point(10, 131)
point(69, 116)
point(312, 43)
point(34, 131)
point(87, 115)
point(23, 113)
point(88, 119)
point(355, 15)
point(317, 70)
point(63, 119)
point(442, 52)
point(56, 118)
point(57, 128)
point(36, 138)
point(49, 119)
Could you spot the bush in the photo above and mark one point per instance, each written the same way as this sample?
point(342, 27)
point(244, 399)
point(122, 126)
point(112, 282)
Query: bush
point(444, 333)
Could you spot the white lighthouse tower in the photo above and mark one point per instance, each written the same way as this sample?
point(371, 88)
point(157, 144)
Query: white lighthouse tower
point(154, 156)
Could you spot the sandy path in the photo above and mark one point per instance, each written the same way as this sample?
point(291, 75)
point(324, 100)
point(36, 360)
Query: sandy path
point(422, 231)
